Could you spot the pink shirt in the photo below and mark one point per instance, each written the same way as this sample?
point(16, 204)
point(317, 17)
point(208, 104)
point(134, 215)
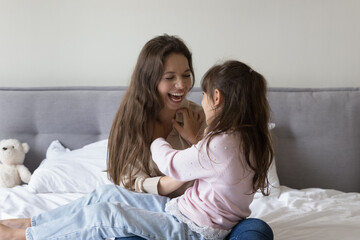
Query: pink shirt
point(221, 193)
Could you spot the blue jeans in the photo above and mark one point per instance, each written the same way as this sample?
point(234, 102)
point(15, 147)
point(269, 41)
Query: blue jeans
point(110, 211)
point(248, 229)
point(251, 229)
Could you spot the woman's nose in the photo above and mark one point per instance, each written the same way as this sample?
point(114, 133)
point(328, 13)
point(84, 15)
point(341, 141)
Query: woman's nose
point(180, 82)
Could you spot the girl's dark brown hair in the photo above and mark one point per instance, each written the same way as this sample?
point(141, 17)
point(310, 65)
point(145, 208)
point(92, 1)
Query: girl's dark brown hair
point(132, 129)
point(245, 109)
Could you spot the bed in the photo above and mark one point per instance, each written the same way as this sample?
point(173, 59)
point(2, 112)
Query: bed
point(315, 192)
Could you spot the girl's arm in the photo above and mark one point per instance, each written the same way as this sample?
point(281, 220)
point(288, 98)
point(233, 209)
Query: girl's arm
point(182, 165)
point(165, 184)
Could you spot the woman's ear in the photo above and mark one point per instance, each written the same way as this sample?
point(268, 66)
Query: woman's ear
point(218, 98)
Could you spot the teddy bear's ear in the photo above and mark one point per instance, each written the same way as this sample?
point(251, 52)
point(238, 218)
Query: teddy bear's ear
point(26, 147)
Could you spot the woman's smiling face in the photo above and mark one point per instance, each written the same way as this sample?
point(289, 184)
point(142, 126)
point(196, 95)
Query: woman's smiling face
point(175, 82)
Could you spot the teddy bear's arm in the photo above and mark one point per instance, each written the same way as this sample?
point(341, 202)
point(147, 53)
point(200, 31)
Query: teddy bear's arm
point(24, 173)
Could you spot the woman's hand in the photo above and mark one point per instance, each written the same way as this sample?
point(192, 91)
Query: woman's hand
point(192, 124)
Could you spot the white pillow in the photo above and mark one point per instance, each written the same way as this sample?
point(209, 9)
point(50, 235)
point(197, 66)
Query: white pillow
point(274, 183)
point(65, 171)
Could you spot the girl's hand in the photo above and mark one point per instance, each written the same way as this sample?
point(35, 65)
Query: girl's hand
point(159, 130)
point(192, 124)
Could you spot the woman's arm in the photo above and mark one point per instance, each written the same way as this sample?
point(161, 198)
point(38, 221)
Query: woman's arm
point(167, 185)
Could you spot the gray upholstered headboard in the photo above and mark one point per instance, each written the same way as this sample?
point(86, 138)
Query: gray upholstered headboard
point(317, 133)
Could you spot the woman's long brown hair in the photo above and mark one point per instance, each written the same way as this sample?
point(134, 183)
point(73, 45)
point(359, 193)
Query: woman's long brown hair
point(132, 129)
point(246, 110)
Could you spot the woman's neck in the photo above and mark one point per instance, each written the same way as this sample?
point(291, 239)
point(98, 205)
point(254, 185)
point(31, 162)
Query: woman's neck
point(165, 117)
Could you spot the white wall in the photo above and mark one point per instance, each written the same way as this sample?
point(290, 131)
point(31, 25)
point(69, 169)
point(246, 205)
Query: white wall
point(294, 43)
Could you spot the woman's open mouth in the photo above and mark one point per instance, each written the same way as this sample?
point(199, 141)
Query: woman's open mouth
point(176, 97)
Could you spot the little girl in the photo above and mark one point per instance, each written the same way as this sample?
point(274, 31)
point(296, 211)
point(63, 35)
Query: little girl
point(230, 163)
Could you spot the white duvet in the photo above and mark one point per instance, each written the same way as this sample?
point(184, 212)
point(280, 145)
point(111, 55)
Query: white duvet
point(19, 202)
point(309, 214)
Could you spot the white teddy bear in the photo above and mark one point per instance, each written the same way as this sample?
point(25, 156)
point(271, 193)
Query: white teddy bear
point(12, 170)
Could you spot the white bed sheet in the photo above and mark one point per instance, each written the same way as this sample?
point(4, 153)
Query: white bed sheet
point(306, 214)
point(310, 214)
point(19, 202)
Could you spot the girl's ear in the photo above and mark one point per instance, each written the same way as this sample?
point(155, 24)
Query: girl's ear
point(218, 98)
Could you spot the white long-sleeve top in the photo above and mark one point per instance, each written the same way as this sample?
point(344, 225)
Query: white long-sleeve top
point(222, 190)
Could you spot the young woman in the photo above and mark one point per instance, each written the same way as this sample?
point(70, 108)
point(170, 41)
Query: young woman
point(162, 77)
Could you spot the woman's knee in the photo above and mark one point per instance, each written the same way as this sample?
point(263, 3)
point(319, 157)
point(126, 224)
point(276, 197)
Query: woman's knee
point(112, 193)
point(104, 188)
point(102, 193)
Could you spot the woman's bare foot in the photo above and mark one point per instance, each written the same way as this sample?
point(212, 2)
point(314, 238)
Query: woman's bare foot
point(7, 233)
point(17, 223)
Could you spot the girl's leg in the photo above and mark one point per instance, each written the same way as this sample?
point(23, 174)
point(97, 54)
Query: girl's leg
point(105, 193)
point(251, 228)
point(108, 220)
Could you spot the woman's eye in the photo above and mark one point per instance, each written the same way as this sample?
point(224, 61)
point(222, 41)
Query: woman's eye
point(187, 76)
point(169, 78)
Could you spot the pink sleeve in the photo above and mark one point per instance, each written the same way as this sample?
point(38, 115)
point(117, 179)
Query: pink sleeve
point(183, 165)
